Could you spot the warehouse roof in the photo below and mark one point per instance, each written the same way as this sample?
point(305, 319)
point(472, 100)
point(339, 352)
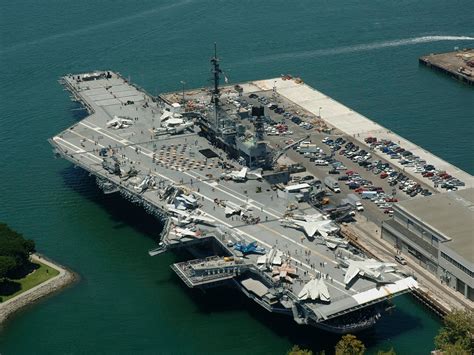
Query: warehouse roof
point(451, 214)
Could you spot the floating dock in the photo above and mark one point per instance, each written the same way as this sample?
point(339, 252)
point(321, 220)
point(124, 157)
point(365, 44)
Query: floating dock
point(458, 64)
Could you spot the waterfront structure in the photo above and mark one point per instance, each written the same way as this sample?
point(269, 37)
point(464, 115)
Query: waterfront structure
point(438, 231)
point(201, 163)
point(458, 64)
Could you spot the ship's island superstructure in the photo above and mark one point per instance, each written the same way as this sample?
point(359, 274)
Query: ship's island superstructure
point(199, 162)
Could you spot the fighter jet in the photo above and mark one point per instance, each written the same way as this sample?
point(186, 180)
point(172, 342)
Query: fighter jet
point(182, 217)
point(369, 268)
point(314, 289)
point(273, 257)
point(243, 175)
point(333, 242)
point(186, 232)
point(184, 202)
point(119, 122)
point(284, 272)
point(147, 182)
point(250, 248)
point(232, 208)
point(311, 224)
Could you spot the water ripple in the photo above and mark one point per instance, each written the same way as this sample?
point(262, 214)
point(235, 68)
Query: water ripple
point(92, 28)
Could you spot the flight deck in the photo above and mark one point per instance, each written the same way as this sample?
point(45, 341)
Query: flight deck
point(155, 153)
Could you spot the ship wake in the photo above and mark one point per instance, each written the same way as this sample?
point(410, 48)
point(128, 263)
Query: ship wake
point(359, 48)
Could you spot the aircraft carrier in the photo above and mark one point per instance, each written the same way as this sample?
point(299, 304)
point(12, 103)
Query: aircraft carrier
point(203, 163)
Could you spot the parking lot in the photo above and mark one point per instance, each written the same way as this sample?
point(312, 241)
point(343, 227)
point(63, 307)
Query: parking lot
point(357, 168)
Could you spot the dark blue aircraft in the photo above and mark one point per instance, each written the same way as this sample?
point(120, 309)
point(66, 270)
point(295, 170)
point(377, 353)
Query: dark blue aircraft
point(251, 248)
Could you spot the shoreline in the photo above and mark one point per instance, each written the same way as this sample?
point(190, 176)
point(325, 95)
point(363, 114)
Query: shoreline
point(64, 279)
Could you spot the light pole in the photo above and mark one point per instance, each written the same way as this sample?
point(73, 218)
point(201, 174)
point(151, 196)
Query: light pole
point(183, 83)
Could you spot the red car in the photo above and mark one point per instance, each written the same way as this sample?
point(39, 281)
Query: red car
point(383, 175)
point(349, 172)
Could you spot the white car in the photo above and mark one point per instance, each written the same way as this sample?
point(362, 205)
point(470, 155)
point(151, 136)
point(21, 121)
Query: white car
point(321, 162)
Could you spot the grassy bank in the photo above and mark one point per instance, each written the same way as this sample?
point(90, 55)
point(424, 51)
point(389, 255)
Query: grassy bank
point(40, 274)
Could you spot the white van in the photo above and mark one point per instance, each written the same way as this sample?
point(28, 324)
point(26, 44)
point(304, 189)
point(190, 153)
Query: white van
point(321, 162)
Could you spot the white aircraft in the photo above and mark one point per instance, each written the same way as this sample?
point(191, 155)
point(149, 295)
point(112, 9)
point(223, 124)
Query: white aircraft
point(232, 208)
point(148, 181)
point(186, 232)
point(182, 217)
point(273, 257)
point(239, 176)
point(369, 268)
point(314, 289)
point(173, 125)
point(333, 242)
point(119, 122)
point(311, 224)
point(244, 174)
point(184, 202)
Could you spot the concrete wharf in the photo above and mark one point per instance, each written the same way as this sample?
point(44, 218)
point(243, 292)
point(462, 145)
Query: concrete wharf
point(352, 124)
point(178, 162)
point(458, 64)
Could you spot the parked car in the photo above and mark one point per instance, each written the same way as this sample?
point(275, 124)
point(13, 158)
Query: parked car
point(400, 259)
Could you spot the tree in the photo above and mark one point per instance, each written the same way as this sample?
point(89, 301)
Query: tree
point(296, 350)
point(7, 264)
point(350, 345)
point(388, 352)
point(456, 335)
point(12, 244)
point(455, 349)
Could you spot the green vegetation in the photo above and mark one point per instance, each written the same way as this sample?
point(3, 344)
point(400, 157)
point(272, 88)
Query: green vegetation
point(296, 350)
point(40, 274)
point(17, 272)
point(456, 337)
point(349, 345)
point(457, 334)
point(14, 252)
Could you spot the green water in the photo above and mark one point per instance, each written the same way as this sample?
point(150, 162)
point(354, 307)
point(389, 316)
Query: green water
point(362, 53)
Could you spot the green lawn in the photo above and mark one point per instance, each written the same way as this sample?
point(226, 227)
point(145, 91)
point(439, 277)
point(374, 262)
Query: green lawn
point(40, 275)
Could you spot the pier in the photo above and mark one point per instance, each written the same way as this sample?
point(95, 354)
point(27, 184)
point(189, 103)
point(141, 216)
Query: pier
point(458, 64)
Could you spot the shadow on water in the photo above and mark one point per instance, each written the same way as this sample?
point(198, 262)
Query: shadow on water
point(77, 111)
point(124, 213)
point(229, 299)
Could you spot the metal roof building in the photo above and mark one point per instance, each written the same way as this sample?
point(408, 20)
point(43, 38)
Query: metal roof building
point(439, 231)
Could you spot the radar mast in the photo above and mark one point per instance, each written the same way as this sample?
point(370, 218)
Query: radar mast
point(216, 92)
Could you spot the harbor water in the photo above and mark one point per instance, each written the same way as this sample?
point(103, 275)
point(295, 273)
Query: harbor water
point(365, 55)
